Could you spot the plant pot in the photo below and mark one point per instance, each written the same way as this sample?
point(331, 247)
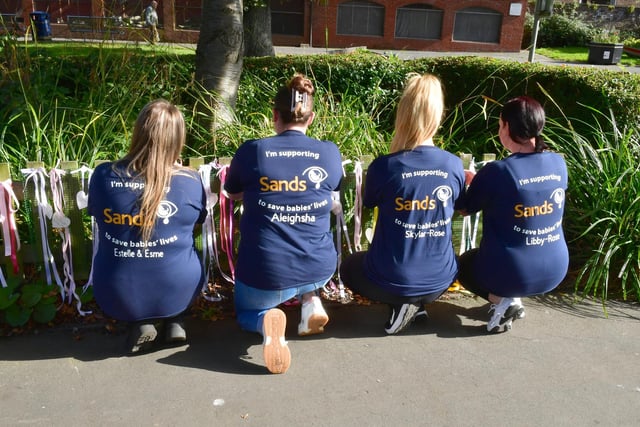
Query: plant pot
point(604, 53)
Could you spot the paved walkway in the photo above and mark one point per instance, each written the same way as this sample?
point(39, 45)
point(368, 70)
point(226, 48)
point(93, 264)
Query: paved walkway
point(565, 364)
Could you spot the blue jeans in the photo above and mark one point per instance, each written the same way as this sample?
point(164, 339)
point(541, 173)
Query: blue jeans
point(252, 303)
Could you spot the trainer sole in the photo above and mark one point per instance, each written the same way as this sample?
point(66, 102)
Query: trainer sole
point(277, 356)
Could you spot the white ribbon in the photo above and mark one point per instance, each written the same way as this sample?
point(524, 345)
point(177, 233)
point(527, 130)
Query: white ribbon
point(341, 227)
point(38, 176)
point(82, 197)
point(469, 229)
point(61, 222)
point(209, 241)
point(357, 207)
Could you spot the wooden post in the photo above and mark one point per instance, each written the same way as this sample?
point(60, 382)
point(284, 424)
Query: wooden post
point(5, 171)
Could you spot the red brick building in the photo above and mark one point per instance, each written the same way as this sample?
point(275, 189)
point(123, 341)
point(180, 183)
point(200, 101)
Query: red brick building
point(438, 25)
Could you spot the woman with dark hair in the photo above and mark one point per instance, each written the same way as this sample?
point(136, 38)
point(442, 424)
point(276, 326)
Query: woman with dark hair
point(146, 269)
point(522, 251)
point(286, 248)
point(411, 260)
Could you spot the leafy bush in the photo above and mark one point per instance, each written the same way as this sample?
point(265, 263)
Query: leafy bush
point(559, 30)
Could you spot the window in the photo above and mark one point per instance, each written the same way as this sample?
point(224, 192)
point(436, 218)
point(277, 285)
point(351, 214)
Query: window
point(360, 18)
point(188, 14)
point(418, 21)
point(477, 24)
point(287, 17)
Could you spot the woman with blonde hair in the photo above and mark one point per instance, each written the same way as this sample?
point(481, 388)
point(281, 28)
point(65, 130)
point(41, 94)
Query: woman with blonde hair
point(146, 269)
point(286, 248)
point(411, 260)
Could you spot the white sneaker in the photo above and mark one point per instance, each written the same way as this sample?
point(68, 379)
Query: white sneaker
point(312, 317)
point(275, 350)
point(520, 314)
point(504, 313)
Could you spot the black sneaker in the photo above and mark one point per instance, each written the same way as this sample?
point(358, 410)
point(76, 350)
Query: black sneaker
point(401, 317)
point(141, 337)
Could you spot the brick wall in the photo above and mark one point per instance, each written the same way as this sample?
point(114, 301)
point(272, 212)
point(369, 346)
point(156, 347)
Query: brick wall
point(320, 17)
point(324, 17)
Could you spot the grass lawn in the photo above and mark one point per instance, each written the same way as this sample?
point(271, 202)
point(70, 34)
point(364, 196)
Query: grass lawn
point(579, 54)
point(76, 48)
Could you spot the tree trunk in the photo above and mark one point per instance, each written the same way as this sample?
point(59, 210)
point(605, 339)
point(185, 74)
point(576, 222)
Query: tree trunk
point(257, 31)
point(219, 56)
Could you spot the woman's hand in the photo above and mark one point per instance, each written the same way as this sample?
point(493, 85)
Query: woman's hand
point(468, 177)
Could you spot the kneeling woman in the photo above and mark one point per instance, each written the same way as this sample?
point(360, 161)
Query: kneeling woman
point(146, 269)
point(522, 251)
point(411, 260)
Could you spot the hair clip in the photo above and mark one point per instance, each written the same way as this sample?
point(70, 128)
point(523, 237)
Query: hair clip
point(298, 97)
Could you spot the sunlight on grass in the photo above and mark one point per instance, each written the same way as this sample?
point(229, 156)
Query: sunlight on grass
point(73, 48)
point(579, 54)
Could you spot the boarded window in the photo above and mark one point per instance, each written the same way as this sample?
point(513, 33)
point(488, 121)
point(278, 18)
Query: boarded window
point(418, 21)
point(477, 24)
point(360, 18)
point(188, 14)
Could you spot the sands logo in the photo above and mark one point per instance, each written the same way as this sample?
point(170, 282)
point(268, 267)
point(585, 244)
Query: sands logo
point(316, 175)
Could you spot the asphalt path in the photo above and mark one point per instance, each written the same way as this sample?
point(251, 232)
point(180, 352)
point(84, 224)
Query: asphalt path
point(564, 364)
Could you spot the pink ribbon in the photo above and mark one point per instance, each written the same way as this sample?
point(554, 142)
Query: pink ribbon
point(226, 220)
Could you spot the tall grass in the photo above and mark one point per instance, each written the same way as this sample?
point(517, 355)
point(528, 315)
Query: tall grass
point(603, 206)
point(53, 112)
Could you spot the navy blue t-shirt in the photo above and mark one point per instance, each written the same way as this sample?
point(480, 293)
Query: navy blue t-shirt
point(522, 251)
point(412, 252)
point(285, 237)
point(136, 280)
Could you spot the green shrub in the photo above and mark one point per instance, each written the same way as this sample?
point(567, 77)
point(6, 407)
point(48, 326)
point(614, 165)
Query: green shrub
point(471, 85)
point(559, 30)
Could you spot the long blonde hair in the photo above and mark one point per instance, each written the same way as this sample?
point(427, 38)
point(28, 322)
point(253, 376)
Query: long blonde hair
point(159, 135)
point(419, 112)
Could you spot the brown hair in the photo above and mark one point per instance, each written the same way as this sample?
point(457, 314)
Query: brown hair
point(294, 101)
point(159, 135)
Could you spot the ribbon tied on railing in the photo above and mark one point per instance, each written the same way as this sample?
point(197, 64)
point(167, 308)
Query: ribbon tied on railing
point(9, 228)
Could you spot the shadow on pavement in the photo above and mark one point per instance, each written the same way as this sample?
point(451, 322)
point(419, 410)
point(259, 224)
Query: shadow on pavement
point(223, 347)
point(576, 305)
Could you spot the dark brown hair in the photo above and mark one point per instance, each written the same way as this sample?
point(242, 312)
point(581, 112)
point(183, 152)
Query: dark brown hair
point(526, 119)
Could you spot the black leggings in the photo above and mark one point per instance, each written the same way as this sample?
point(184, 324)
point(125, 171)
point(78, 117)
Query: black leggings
point(354, 278)
point(466, 276)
